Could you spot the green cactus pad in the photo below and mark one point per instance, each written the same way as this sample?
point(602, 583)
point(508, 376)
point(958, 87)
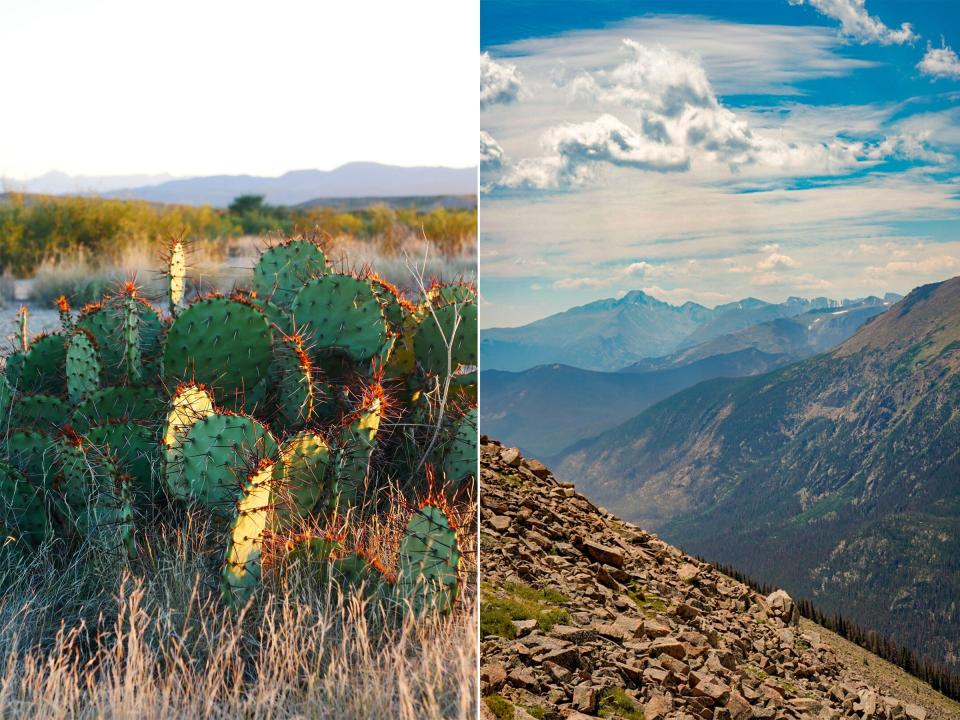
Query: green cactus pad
point(6, 397)
point(454, 293)
point(354, 447)
point(436, 330)
point(23, 510)
point(460, 456)
point(353, 572)
point(283, 269)
point(132, 357)
point(137, 451)
point(305, 459)
point(33, 453)
point(188, 405)
point(128, 402)
point(106, 324)
point(44, 412)
point(217, 454)
point(291, 383)
point(224, 344)
point(97, 497)
point(44, 366)
point(82, 367)
point(276, 316)
point(13, 368)
point(241, 568)
point(429, 562)
point(340, 312)
point(395, 309)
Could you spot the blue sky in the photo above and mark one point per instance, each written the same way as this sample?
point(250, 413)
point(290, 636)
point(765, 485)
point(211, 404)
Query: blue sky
point(710, 151)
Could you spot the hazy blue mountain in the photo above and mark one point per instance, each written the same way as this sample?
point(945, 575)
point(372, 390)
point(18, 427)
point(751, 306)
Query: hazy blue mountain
point(60, 183)
point(547, 408)
point(835, 477)
point(613, 333)
point(301, 186)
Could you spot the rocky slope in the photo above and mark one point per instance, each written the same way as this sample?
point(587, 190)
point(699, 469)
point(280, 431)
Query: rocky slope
point(584, 615)
point(835, 478)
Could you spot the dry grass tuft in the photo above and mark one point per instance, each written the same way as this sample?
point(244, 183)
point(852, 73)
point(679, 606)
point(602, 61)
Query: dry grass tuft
point(94, 640)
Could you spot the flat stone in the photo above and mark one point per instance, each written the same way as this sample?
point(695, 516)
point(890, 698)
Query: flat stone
point(511, 457)
point(585, 698)
point(493, 675)
point(523, 678)
point(688, 572)
point(572, 634)
point(500, 522)
point(668, 646)
point(603, 553)
point(537, 468)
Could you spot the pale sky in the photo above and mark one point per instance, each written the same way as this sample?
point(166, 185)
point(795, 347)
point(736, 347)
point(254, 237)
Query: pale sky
point(107, 87)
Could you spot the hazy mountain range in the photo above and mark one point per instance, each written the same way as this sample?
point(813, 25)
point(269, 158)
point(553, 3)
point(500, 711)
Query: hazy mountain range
point(835, 477)
point(358, 179)
point(613, 333)
point(582, 403)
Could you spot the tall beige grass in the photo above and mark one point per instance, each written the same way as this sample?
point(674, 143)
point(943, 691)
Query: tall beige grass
point(95, 640)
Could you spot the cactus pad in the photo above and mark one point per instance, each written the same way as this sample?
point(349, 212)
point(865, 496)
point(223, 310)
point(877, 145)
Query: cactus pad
point(43, 365)
point(305, 459)
point(45, 412)
point(82, 367)
point(106, 324)
point(460, 458)
point(241, 568)
point(354, 447)
point(34, 454)
point(225, 344)
point(342, 312)
point(176, 276)
point(128, 402)
point(217, 453)
point(283, 269)
point(137, 453)
point(23, 512)
point(355, 571)
point(429, 562)
point(439, 329)
point(291, 383)
point(188, 405)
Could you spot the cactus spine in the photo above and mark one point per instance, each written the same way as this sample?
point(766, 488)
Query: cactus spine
point(66, 319)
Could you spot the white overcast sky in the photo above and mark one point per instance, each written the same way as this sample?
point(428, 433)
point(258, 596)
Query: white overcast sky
point(185, 87)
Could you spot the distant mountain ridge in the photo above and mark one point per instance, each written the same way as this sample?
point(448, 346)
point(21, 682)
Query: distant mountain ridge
point(357, 179)
point(613, 333)
point(835, 477)
point(583, 403)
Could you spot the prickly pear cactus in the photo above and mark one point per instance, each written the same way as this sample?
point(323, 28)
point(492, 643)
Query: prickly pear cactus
point(218, 452)
point(45, 412)
point(283, 269)
point(304, 464)
point(342, 313)
point(189, 405)
point(447, 338)
point(44, 365)
point(429, 562)
point(224, 344)
point(461, 456)
point(251, 518)
point(176, 277)
point(82, 367)
point(355, 445)
point(132, 361)
point(106, 322)
point(291, 383)
point(23, 514)
point(66, 318)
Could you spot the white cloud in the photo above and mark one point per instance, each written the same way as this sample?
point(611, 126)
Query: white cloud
point(941, 62)
point(806, 281)
point(491, 154)
point(620, 274)
point(677, 121)
point(572, 150)
point(499, 82)
point(681, 295)
point(857, 24)
point(940, 265)
point(776, 261)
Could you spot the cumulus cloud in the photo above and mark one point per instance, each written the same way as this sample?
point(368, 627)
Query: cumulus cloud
point(499, 82)
point(572, 151)
point(805, 281)
point(857, 24)
point(669, 117)
point(941, 62)
point(634, 269)
point(776, 261)
point(491, 154)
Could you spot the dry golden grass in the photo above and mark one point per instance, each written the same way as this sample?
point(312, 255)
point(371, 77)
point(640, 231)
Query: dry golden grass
point(93, 640)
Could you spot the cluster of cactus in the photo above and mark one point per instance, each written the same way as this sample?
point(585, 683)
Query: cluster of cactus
point(280, 410)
